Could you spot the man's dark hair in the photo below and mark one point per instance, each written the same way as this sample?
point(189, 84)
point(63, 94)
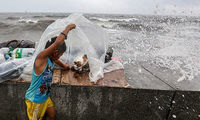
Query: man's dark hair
point(61, 48)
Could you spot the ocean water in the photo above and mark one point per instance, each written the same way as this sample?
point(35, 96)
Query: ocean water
point(158, 52)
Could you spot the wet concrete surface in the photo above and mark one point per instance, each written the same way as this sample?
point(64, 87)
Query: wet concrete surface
point(104, 103)
point(150, 76)
point(143, 79)
point(185, 106)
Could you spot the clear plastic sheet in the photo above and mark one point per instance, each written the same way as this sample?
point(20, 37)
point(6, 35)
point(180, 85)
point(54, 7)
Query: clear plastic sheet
point(87, 38)
point(12, 68)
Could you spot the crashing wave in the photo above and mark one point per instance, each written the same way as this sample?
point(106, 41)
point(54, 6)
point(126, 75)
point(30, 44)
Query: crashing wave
point(26, 20)
point(113, 19)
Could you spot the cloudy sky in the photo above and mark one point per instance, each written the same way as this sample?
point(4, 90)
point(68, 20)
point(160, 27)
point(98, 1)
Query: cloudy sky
point(104, 6)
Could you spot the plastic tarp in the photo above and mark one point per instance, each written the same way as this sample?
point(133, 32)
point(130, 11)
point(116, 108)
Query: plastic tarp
point(112, 65)
point(87, 38)
point(12, 68)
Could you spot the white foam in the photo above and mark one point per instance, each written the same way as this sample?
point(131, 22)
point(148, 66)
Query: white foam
point(27, 20)
point(106, 25)
point(114, 19)
point(174, 51)
point(174, 116)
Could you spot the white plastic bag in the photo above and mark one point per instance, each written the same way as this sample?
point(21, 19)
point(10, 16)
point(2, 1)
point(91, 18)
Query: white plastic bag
point(87, 38)
point(2, 58)
point(12, 68)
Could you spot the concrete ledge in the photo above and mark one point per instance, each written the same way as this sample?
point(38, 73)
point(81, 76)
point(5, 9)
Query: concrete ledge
point(97, 103)
point(185, 106)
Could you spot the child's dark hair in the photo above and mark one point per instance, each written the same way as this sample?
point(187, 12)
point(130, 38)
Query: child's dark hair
point(61, 48)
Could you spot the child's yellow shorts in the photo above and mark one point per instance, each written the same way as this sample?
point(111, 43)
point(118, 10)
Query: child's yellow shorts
point(36, 111)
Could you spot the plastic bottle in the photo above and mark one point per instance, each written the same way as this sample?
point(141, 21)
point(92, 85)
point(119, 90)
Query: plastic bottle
point(10, 52)
point(3, 51)
point(23, 52)
point(6, 56)
point(109, 53)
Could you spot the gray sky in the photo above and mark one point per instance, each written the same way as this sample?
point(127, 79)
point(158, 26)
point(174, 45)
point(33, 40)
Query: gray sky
point(104, 6)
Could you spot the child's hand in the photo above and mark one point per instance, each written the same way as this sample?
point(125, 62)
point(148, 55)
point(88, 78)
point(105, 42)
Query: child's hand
point(66, 67)
point(71, 26)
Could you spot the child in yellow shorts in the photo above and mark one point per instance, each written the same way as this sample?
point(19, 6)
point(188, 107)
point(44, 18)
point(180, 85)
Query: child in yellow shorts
point(38, 94)
point(37, 110)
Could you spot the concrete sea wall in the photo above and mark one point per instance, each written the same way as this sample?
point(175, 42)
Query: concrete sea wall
point(104, 103)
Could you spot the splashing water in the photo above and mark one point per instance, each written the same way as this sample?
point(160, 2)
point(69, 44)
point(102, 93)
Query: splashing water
point(175, 47)
point(170, 42)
